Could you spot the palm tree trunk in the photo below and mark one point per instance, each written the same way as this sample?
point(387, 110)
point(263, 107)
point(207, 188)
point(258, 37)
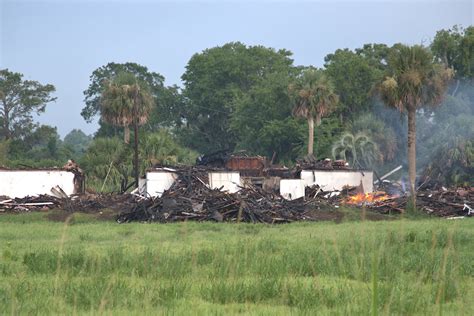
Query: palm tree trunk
point(126, 135)
point(135, 160)
point(412, 154)
point(310, 135)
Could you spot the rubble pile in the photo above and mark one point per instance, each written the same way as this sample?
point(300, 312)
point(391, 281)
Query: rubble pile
point(311, 163)
point(189, 198)
point(91, 203)
point(86, 203)
point(447, 202)
point(29, 203)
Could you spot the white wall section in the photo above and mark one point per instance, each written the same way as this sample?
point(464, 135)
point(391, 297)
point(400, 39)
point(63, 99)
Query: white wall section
point(292, 189)
point(158, 182)
point(21, 183)
point(330, 180)
point(228, 181)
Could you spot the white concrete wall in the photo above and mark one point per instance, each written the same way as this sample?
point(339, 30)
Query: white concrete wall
point(292, 189)
point(142, 186)
point(330, 180)
point(158, 182)
point(229, 181)
point(21, 183)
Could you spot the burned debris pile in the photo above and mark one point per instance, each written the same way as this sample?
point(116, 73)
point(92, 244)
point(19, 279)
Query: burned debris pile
point(86, 203)
point(444, 202)
point(311, 163)
point(190, 198)
point(40, 202)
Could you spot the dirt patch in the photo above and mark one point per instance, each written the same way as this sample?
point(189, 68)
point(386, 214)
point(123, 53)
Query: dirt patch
point(58, 215)
point(371, 216)
point(106, 215)
point(326, 215)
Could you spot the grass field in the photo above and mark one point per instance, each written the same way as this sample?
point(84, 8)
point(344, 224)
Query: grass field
point(91, 267)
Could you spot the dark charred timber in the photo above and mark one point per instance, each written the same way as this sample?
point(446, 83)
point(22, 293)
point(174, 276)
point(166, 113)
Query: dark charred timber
point(189, 198)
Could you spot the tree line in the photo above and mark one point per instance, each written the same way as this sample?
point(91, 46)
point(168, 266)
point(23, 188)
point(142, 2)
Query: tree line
point(367, 105)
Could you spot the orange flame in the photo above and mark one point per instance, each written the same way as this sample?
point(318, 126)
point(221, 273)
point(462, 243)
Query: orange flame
point(368, 198)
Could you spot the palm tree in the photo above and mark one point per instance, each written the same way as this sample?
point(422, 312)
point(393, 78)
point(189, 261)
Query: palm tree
point(125, 102)
point(313, 97)
point(359, 149)
point(413, 80)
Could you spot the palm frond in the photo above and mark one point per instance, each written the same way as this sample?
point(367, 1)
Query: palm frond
point(125, 100)
point(414, 80)
point(313, 94)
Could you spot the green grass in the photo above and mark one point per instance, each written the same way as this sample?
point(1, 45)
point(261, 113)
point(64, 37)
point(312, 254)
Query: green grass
point(90, 267)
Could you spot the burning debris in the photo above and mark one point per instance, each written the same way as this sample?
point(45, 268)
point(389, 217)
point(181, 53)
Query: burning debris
point(370, 198)
point(443, 202)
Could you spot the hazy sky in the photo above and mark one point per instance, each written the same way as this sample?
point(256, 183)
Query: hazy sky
point(62, 42)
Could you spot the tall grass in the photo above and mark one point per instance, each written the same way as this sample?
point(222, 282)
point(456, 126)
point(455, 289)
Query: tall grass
point(396, 267)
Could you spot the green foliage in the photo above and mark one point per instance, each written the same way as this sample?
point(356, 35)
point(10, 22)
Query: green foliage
point(327, 134)
point(111, 156)
point(312, 94)
point(18, 100)
point(160, 148)
point(413, 80)
point(375, 55)
point(4, 150)
point(78, 142)
point(105, 74)
point(262, 120)
point(381, 134)
point(42, 147)
point(214, 80)
point(359, 150)
point(107, 160)
point(284, 138)
point(165, 112)
point(126, 101)
point(455, 47)
point(169, 109)
point(354, 76)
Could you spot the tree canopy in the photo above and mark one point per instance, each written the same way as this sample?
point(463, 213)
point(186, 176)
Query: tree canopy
point(20, 98)
point(168, 101)
point(214, 81)
point(354, 75)
point(455, 47)
point(105, 74)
